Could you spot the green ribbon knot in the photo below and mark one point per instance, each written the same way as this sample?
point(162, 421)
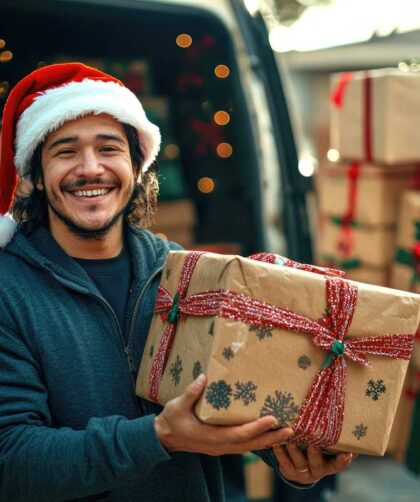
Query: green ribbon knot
point(337, 349)
point(173, 314)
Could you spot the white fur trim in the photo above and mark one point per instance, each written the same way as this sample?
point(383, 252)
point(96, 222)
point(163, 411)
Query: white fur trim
point(7, 229)
point(53, 108)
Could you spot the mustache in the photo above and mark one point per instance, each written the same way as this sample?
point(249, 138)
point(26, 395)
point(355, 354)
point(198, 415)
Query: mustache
point(71, 185)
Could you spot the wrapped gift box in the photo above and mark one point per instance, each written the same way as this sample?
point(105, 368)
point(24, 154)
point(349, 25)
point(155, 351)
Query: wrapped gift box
point(370, 275)
point(255, 369)
point(179, 213)
point(182, 236)
point(175, 220)
point(402, 277)
point(368, 245)
point(375, 116)
point(404, 273)
point(409, 216)
point(370, 193)
point(259, 483)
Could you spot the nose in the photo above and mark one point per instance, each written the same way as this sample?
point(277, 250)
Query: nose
point(90, 165)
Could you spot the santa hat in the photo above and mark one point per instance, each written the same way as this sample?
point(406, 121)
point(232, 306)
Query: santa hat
point(48, 98)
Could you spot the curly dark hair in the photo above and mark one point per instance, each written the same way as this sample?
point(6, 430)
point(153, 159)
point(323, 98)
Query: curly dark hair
point(30, 207)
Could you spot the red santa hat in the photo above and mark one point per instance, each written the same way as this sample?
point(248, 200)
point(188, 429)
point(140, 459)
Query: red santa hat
point(48, 98)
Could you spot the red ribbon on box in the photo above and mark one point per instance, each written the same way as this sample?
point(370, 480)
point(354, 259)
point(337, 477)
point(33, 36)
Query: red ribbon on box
point(337, 99)
point(345, 241)
point(321, 416)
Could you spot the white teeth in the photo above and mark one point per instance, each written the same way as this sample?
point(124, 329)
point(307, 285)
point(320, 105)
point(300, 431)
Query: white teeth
point(91, 193)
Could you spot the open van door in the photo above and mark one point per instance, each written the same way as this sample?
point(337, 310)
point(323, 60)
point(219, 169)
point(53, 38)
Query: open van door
point(293, 187)
point(206, 74)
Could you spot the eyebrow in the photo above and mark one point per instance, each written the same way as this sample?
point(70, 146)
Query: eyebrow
point(75, 139)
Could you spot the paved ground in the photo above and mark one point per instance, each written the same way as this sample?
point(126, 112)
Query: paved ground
point(372, 479)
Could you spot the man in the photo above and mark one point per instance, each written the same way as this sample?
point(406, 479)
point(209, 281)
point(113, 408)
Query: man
point(78, 284)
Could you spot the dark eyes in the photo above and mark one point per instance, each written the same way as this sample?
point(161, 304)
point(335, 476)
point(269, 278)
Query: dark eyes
point(109, 149)
point(106, 149)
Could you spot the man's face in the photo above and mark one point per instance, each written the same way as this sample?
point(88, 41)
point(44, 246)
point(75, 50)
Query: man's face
point(87, 176)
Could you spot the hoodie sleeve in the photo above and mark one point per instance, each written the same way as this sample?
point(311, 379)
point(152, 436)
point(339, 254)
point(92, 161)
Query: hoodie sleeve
point(41, 463)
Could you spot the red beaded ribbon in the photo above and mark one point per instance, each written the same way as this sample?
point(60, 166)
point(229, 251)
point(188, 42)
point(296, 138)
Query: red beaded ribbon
point(321, 416)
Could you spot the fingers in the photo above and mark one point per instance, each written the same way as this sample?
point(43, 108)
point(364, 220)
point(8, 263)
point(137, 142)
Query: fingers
point(317, 462)
point(295, 466)
point(340, 462)
point(193, 392)
point(264, 425)
point(298, 458)
point(285, 463)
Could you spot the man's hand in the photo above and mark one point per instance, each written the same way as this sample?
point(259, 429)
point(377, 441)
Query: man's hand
point(297, 467)
point(180, 430)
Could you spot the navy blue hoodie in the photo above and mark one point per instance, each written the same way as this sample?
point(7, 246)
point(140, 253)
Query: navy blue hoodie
point(71, 427)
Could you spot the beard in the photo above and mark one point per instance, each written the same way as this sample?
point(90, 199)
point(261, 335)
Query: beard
point(91, 233)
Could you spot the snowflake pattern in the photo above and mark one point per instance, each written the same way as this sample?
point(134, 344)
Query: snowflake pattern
point(218, 394)
point(304, 362)
point(246, 392)
point(176, 370)
point(360, 431)
point(152, 350)
point(375, 388)
point(211, 329)
point(261, 331)
point(282, 406)
point(228, 353)
point(197, 369)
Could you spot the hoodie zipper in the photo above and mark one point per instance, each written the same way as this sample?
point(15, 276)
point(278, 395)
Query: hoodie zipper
point(136, 306)
point(126, 347)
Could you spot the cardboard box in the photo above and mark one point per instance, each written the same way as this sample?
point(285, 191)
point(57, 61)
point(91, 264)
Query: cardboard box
point(259, 483)
point(408, 216)
point(178, 213)
point(369, 275)
point(377, 191)
point(402, 277)
point(372, 245)
point(254, 369)
point(375, 116)
point(182, 236)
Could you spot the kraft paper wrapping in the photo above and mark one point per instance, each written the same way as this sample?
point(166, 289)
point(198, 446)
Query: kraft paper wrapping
point(252, 371)
point(401, 276)
point(178, 213)
point(409, 214)
point(395, 117)
point(378, 192)
point(370, 275)
point(372, 245)
point(259, 482)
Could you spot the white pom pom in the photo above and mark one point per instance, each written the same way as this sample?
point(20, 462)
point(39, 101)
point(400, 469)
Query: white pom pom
point(7, 229)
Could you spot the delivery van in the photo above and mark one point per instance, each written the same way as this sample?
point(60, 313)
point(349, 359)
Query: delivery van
point(206, 74)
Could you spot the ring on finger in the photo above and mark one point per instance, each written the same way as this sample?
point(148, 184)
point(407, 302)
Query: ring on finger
point(305, 469)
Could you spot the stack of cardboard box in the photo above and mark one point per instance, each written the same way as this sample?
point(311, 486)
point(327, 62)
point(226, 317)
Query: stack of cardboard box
point(373, 119)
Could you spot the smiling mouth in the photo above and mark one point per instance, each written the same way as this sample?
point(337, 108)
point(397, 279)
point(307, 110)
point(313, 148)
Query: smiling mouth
point(92, 193)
